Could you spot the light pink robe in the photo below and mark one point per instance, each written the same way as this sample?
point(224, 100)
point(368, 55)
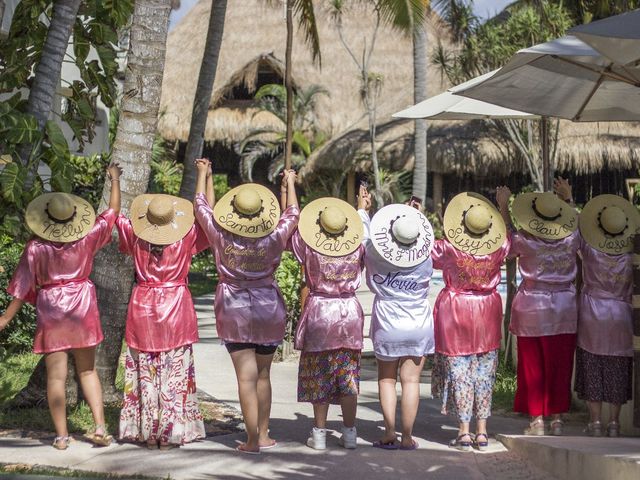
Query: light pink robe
point(55, 277)
point(605, 315)
point(545, 303)
point(468, 310)
point(161, 316)
point(332, 317)
point(249, 306)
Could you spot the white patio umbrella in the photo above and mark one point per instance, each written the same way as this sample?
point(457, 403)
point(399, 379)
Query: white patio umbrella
point(617, 37)
point(447, 106)
point(564, 78)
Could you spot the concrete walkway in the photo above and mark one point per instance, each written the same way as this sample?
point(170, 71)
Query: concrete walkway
point(215, 458)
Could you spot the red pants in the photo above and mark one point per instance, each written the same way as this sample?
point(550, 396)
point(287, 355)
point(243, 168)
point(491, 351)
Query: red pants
point(545, 365)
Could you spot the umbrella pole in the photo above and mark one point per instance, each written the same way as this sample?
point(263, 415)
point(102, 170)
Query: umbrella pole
point(547, 173)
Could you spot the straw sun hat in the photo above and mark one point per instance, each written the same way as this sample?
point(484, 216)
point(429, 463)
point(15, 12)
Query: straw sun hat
point(331, 226)
point(402, 235)
point(544, 215)
point(474, 225)
point(249, 210)
point(161, 219)
point(60, 217)
point(608, 223)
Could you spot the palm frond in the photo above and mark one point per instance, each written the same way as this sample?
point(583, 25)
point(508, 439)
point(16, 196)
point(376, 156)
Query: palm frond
point(303, 10)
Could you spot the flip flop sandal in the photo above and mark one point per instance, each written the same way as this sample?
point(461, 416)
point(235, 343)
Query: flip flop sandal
point(267, 447)
point(391, 445)
point(414, 445)
point(61, 443)
point(101, 440)
point(481, 445)
point(240, 449)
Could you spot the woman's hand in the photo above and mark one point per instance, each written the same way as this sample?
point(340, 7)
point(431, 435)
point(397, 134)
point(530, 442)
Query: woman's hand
point(562, 188)
point(203, 166)
point(292, 178)
point(364, 199)
point(114, 171)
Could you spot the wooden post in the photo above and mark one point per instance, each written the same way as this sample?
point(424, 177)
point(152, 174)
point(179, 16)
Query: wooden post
point(636, 331)
point(547, 170)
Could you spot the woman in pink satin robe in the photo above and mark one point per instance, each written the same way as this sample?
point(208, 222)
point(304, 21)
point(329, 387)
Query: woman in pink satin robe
point(55, 277)
point(250, 311)
point(468, 332)
point(160, 404)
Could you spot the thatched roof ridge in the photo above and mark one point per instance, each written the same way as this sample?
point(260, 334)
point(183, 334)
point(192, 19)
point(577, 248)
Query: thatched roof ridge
point(256, 32)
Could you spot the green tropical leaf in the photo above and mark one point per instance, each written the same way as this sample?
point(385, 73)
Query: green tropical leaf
point(62, 171)
point(19, 128)
point(56, 139)
point(302, 143)
point(12, 180)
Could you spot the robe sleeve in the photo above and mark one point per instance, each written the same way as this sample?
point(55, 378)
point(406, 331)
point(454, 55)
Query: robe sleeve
point(287, 225)
point(126, 235)
point(438, 253)
point(100, 234)
point(23, 282)
point(202, 242)
point(516, 244)
point(298, 247)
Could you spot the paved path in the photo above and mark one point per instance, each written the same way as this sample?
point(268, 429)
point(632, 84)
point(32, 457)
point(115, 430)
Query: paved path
point(215, 458)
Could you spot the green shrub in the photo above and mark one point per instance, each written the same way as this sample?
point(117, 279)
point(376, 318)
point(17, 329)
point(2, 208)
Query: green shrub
point(88, 176)
point(289, 278)
point(18, 336)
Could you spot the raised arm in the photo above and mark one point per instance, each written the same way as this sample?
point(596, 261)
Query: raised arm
point(503, 194)
point(562, 189)
point(292, 198)
point(211, 196)
point(113, 172)
point(202, 166)
point(14, 307)
point(283, 190)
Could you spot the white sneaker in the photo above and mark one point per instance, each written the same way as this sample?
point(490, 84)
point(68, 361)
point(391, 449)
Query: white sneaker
point(317, 439)
point(349, 438)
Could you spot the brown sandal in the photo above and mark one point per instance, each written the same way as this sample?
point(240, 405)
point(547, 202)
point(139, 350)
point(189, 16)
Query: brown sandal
point(100, 439)
point(61, 443)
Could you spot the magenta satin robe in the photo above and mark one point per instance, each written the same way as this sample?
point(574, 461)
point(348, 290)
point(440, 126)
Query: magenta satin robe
point(332, 317)
point(161, 316)
point(55, 277)
point(468, 310)
point(605, 313)
point(249, 306)
point(545, 303)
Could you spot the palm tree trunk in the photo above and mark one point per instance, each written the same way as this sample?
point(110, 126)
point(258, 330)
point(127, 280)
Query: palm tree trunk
point(47, 73)
point(202, 99)
point(420, 125)
point(112, 272)
point(289, 86)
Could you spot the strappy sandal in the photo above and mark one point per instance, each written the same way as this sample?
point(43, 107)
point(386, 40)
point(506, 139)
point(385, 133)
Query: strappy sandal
point(594, 429)
point(613, 429)
point(557, 428)
point(100, 439)
point(481, 445)
point(61, 443)
point(389, 445)
point(536, 428)
point(460, 444)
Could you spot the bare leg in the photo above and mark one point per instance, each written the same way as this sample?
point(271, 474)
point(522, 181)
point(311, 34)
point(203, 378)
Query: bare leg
point(320, 411)
point(264, 399)
point(387, 377)
point(56, 396)
point(244, 362)
point(481, 426)
point(595, 411)
point(90, 383)
point(410, 369)
point(349, 405)
point(614, 412)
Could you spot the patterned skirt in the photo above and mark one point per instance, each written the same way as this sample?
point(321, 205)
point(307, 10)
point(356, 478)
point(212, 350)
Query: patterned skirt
point(603, 378)
point(325, 377)
point(465, 384)
point(160, 402)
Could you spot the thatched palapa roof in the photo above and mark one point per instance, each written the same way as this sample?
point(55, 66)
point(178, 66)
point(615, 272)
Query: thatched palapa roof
point(254, 39)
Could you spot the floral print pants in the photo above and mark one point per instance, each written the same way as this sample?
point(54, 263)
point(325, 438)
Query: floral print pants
point(465, 384)
point(160, 402)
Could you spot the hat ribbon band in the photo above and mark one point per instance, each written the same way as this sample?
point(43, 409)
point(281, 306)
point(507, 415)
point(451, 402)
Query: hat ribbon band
point(59, 220)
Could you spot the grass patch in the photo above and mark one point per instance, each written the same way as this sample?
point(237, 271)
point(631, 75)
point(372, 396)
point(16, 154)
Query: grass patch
point(22, 469)
point(504, 389)
point(15, 370)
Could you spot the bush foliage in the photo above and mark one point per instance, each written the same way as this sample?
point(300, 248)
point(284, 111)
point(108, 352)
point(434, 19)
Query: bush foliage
point(18, 336)
point(289, 278)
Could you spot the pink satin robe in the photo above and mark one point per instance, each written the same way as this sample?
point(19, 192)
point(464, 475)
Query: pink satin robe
point(545, 303)
point(248, 305)
point(55, 277)
point(161, 316)
point(605, 313)
point(468, 310)
point(332, 317)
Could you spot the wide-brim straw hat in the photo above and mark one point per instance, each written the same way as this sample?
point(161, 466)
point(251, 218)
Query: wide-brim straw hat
point(544, 215)
point(326, 235)
point(60, 217)
point(161, 219)
point(402, 249)
point(249, 210)
point(474, 225)
point(608, 223)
